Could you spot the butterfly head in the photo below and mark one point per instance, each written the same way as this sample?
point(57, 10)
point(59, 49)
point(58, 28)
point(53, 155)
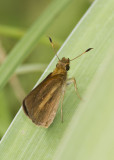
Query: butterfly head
point(64, 64)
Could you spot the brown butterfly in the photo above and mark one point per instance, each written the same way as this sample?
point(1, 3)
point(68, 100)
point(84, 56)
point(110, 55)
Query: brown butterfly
point(41, 104)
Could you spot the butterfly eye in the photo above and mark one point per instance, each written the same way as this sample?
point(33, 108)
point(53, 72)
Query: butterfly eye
point(67, 67)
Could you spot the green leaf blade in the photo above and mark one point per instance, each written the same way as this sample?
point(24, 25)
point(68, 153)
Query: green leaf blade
point(28, 141)
point(23, 48)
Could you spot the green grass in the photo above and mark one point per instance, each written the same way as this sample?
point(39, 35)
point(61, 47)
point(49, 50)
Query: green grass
point(88, 128)
point(28, 42)
point(41, 55)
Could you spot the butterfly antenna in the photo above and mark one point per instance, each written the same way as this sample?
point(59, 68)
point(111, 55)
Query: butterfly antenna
point(53, 47)
point(82, 53)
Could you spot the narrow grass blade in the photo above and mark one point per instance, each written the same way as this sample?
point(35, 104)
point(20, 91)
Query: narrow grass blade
point(24, 140)
point(90, 134)
point(28, 42)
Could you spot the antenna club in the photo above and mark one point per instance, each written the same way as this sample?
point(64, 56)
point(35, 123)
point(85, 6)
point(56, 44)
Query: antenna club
point(50, 39)
point(88, 49)
point(53, 46)
point(81, 54)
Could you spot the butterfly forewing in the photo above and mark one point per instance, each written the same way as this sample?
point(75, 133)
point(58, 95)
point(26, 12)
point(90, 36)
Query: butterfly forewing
point(42, 102)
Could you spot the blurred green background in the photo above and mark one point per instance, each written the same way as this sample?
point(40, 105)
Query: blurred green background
point(16, 16)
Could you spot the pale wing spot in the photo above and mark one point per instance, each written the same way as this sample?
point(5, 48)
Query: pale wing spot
point(46, 99)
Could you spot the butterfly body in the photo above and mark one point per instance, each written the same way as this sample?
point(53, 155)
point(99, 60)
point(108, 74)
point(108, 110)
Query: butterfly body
point(42, 102)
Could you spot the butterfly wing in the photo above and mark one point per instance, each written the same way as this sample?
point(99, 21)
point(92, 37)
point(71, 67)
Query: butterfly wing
point(42, 103)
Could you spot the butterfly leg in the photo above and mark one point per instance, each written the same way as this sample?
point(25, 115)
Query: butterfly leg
point(62, 106)
point(72, 80)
